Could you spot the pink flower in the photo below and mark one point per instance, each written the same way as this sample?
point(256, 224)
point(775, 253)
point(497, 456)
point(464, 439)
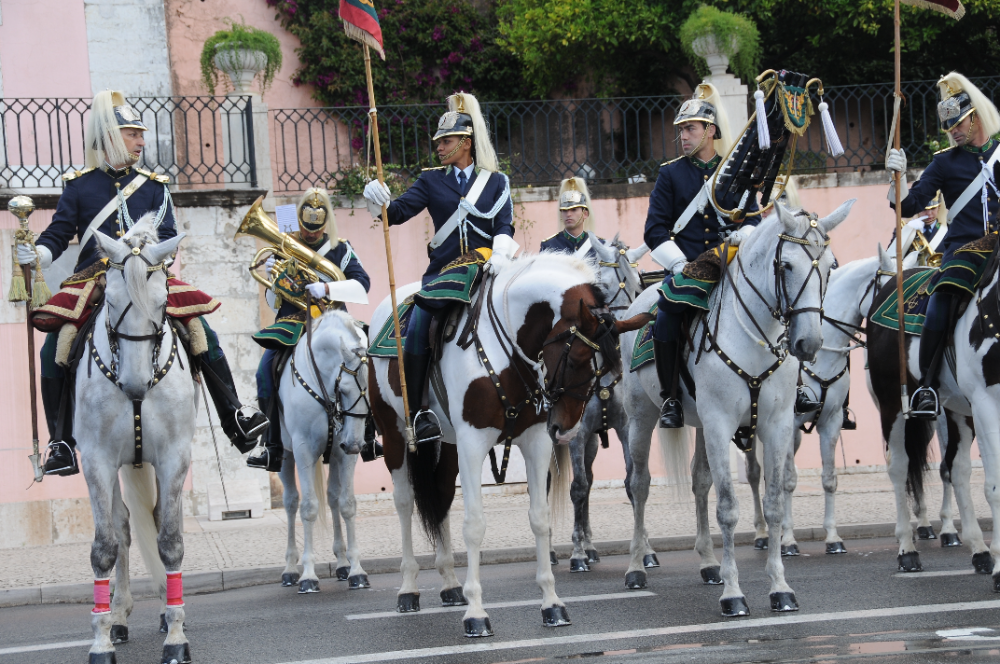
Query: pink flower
point(438, 33)
point(454, 58)
point(357, 143)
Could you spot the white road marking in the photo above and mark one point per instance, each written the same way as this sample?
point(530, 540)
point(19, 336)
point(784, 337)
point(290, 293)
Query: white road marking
point(498, 605)
point(967, 634)
point(927, 575)
point(46, 646)
point(487, 645)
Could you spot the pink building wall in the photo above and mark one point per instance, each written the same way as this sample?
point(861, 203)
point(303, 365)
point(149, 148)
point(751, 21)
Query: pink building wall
point(40, 56)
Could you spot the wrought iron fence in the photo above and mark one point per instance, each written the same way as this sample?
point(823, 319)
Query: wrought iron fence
point(198, 141)
point(608, 140)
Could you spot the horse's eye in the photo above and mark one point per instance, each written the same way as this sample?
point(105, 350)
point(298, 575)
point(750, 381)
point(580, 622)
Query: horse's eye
point(786, 266)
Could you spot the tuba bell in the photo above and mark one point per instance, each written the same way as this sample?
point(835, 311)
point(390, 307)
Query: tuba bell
point(285, 249)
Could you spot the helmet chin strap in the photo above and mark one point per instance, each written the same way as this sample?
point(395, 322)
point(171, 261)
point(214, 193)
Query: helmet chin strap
point(972, 127)
point(455, 151)
point(698, 147)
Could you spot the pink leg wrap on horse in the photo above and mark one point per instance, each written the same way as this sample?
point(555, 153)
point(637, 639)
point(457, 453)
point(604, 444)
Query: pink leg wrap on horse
point(175, 589)
point(102, 595)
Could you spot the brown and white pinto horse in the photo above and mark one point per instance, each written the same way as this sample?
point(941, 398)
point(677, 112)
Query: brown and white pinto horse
point(523, 368)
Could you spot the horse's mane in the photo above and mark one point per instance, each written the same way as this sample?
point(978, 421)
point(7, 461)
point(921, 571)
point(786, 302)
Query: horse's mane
point(345, 319)
point(557, 260)
point(143, 233)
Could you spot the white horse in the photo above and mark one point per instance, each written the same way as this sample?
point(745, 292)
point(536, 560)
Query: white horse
point(323, 390)
point(136, 402)
point(743, 377)
point(845, 305)
point(521, 370)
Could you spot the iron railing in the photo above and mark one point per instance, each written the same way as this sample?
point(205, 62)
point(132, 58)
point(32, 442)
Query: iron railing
point(609, 140)
point(197, 141)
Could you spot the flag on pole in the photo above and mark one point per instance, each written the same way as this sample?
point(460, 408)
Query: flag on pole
point(361, 23)
point(952, 8)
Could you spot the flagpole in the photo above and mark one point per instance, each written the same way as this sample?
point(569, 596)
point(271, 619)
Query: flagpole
point(903, 390)
point(373, 118)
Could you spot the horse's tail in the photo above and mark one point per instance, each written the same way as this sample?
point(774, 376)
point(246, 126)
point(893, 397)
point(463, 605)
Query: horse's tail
point(561, 474)
point(139, 493)
point(429, 470)
point(319, 490)
point(917, 437)
point(675, 452)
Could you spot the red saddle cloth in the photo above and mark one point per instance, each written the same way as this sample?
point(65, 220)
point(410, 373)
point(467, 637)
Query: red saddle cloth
point(76, 301)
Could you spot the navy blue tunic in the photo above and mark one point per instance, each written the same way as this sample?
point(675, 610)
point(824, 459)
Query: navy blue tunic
point(85, 196)
point(677, 184)
point(437, 191)
point(566, 243)
point(352, 270)
point(951, 171)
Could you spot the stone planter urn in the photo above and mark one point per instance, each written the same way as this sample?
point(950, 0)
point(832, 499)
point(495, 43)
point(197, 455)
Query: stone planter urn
point(241, 65)
point(708, 48)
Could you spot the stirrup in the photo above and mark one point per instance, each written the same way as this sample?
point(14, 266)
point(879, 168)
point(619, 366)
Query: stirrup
point(260, 457)
point(429, 435)
point(924, 413)
point(250, 422)
point(803, 404)
point(671, 414)
point(67, 465)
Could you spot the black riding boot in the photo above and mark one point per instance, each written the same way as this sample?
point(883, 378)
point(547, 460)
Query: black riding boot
point(924, 402)
point(665, 353)
point(242, 424)
point(804, 404)
point(270, 456)
point(372, 449)
point(848, 424)
point(425, 424)
point(61, 457)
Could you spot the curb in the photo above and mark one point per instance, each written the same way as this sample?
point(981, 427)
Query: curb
point(199, 583)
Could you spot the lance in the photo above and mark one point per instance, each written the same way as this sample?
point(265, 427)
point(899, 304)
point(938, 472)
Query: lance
point(903, 389)
point(21, 207)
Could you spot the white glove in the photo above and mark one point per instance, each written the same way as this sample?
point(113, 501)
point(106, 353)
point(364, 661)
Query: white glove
point(346, 291)
point(268, 264)
point(896, 161)
point(740, 234)
point(26, 254)
point(669, 256)
point(504, 245)
point(317, 290)
point(916, 224)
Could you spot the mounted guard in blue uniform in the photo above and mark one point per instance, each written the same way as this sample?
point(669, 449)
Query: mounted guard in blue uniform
point(317, 231)
point(469, 202)
point(577, 220)
point(965, 174)
point(107, 195)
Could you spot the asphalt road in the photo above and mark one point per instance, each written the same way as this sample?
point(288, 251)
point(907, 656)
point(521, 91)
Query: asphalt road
point(853, 607)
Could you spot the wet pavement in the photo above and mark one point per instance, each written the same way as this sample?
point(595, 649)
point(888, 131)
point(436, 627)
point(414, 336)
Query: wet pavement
point(854, 606)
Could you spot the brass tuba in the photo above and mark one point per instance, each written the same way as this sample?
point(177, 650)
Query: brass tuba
point(284, 248)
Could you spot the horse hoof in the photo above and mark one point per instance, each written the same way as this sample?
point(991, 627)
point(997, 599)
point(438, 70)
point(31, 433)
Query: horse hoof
point(950, 539)
point(103, 658)
point(789, 551)
point(289, 579)
point(835, 547)
point(635, 580)
point(783, 602)
point(734, 607)
point(408, 602)
point(926, 533)
point(343, 573)
point(119, 634)
point(592, 556)
point(557, 616)
point(308, 586)
point(982, 561)
point(578, 565)
point(650, 560)
point(176, 653)
point(710, 576)
point(477, 627)
point(453, 597)
point(358, 581)
point(909, 562)
point(163, 624)
point(552, 560)
point(760, 543)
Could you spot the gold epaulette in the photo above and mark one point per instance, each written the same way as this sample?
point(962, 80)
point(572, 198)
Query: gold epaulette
point(551, 236)
point(952, 147)
point(153, 176)
point(434, 168)
point(72, 175)
point(671, 161)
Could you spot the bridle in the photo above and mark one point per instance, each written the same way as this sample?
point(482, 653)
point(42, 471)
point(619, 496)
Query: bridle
point(623, 289)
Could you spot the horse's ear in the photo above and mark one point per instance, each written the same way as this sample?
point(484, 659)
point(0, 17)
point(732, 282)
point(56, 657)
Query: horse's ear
point(161, 250)
point(111, 248)
point(886, 263)
point(633, 323)
point(787, 217)
point(830, 222)
point(605, 253)
point(637, 253)
point(588, 321)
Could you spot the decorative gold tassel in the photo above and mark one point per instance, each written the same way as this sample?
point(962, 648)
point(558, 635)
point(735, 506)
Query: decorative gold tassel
point(40, 293)
point(18, 291)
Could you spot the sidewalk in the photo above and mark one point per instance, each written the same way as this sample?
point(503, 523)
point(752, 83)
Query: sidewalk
point(246, 552)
